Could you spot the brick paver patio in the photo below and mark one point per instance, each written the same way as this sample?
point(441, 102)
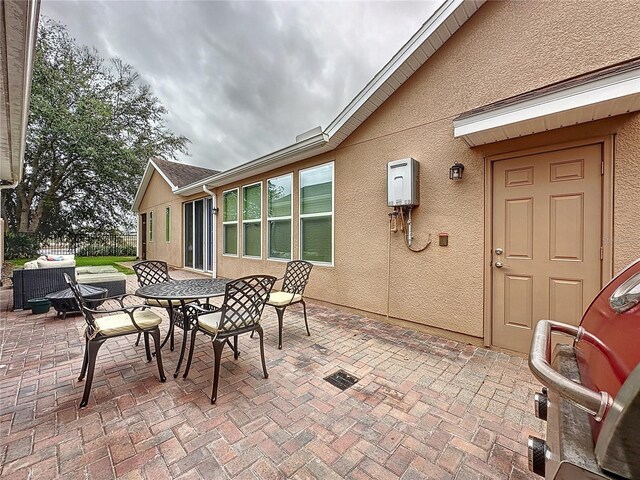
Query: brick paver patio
point(424, 407)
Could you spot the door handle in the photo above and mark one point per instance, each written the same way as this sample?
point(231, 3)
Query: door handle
point(499, 264)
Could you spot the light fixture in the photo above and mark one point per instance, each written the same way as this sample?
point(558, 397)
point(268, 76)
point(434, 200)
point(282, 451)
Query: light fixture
point(214, 210)
point(455, 172)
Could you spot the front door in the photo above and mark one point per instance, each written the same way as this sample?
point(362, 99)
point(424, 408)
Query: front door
point(546, 256)
point(143, 238)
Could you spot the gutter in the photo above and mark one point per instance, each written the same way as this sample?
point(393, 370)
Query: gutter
point(247, 169)
point(214, 231)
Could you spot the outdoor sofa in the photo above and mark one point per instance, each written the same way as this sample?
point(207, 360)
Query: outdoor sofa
point(46, 275)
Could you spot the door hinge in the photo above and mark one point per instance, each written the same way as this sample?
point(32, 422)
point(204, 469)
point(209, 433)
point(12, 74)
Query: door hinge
point(602, 167)
point(601, 253)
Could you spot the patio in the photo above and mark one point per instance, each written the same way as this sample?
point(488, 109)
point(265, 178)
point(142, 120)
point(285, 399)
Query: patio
point(424, 407)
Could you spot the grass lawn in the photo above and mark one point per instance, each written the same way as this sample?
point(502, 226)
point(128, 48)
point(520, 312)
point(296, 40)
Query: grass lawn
point(91, 262)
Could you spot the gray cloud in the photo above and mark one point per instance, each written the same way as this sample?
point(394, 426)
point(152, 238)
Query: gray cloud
point(241, 79)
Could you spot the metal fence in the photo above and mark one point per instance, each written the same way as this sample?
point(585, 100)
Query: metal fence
point(81, 245)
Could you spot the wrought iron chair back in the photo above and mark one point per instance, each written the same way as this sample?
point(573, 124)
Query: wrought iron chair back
point(244, 301)
point(150, 272)
point(82, 304)
point(296, 276)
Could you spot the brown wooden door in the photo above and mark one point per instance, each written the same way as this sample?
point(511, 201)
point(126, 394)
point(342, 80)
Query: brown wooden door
point(547, 211)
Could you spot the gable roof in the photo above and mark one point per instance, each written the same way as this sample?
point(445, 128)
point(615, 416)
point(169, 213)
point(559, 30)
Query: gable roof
point(441, 26)
point(176, 175)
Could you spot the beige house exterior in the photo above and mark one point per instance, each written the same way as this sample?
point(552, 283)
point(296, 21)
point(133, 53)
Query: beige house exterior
point(550, 144)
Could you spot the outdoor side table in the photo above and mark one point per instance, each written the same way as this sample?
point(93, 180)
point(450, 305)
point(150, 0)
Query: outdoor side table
point(64, 302)
point(178, 293)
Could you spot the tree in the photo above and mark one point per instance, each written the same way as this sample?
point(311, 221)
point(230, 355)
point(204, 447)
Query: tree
point(92, 126)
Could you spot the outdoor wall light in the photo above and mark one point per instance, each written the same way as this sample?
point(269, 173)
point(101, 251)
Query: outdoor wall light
point(214, 210)
point(455, 172)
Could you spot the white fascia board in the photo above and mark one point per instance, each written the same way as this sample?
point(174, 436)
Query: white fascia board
point(598, 91)
point(290, 154)
point(166, 179)
point(419, 38)
point(144, 183)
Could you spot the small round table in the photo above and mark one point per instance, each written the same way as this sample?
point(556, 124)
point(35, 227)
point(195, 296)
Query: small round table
point(178, 293)
point(64, 302)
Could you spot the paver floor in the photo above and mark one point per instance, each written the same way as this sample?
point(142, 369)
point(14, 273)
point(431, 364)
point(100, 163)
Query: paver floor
point(424, 407)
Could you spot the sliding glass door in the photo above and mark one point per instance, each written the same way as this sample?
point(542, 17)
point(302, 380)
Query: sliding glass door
point(198, 241)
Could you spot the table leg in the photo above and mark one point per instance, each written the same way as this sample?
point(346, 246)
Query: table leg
point(170, 332)
point(185, 330)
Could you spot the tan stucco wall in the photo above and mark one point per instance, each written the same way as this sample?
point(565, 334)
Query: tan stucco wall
point(495, 55)
point(157, 198)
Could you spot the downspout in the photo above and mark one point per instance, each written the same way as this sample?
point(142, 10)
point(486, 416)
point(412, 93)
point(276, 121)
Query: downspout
point(214, 230)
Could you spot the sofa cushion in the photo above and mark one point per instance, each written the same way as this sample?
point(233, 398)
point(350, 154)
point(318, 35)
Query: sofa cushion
point(66, 261)
point(32, 265)
point(97, 269)
point(100, 277)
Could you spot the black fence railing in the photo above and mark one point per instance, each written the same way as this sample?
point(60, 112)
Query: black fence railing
point(81, 245)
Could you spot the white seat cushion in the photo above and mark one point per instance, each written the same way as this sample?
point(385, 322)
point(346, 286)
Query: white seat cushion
point(210, 322)
point(121, 323)
point(165, 303)
point(282, 299)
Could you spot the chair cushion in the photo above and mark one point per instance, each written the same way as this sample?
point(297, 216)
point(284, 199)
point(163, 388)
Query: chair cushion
point(282, 299)
point(95, 270)
point(100, 277)
point(210, 322)
point(165, 303)
point(121, 323)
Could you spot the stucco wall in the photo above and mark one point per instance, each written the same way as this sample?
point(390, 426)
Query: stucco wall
point(157, 197)
point(505, 49)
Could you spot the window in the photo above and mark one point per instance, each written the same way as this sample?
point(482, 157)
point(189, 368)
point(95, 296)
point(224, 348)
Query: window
point(316, 214)
point(279, 212)
point(167, 224)
point(230, 222)
point(252, 220)
point(151, 226)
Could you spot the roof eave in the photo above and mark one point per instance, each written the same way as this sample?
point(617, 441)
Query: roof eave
point(285, 156)
point(601, 98)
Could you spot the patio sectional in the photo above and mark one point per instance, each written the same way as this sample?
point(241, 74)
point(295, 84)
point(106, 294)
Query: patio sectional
point(36, 281)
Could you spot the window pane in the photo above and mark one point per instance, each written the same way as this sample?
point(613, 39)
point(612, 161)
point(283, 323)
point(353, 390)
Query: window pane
point(251, 202)
point(280, 239)
point(251, 239)
point(167, 224)
point(316, 239)
point(230, 239)
point(279, 199)
point(230, 206)
point(315, 190)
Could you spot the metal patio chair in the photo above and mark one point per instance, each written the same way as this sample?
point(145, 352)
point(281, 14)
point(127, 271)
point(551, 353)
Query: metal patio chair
point(150, 272)
point(294, 281)
point(124, 320)
point(240, 312)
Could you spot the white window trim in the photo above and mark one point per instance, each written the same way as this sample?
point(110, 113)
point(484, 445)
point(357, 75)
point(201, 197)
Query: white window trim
point(323, 214)
point(150, 222)
point(165, 224)
point(258, 221)
point(290, 218)
point(237, 190)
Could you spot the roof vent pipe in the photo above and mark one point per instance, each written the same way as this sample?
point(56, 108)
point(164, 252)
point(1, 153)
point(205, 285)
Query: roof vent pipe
point(309, 134)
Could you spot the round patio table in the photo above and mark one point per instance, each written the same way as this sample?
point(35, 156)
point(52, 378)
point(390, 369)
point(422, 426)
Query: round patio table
point(178, 293)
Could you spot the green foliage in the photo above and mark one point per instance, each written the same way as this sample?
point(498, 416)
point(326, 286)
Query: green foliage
point(92, 127)
point(18, 245)
point(102, 250)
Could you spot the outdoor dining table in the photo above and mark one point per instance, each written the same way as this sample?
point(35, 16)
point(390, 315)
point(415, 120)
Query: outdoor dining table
point(179, 294)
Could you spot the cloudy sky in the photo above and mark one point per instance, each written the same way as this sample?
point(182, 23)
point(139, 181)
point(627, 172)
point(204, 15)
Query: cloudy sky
point(242, 79)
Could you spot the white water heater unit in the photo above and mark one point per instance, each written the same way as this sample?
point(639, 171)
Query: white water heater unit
point(403, 183)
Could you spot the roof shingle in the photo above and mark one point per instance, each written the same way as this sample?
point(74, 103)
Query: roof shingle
point(181, 174)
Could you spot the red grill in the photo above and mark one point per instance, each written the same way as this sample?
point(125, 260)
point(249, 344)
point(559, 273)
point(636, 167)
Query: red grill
point(592, 397)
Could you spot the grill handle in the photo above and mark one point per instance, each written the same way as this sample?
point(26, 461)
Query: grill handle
point(594, 403)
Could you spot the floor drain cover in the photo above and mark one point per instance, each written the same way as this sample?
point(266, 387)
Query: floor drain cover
point(341, 379)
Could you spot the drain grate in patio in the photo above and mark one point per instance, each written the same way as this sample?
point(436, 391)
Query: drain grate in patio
point(341, 379)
